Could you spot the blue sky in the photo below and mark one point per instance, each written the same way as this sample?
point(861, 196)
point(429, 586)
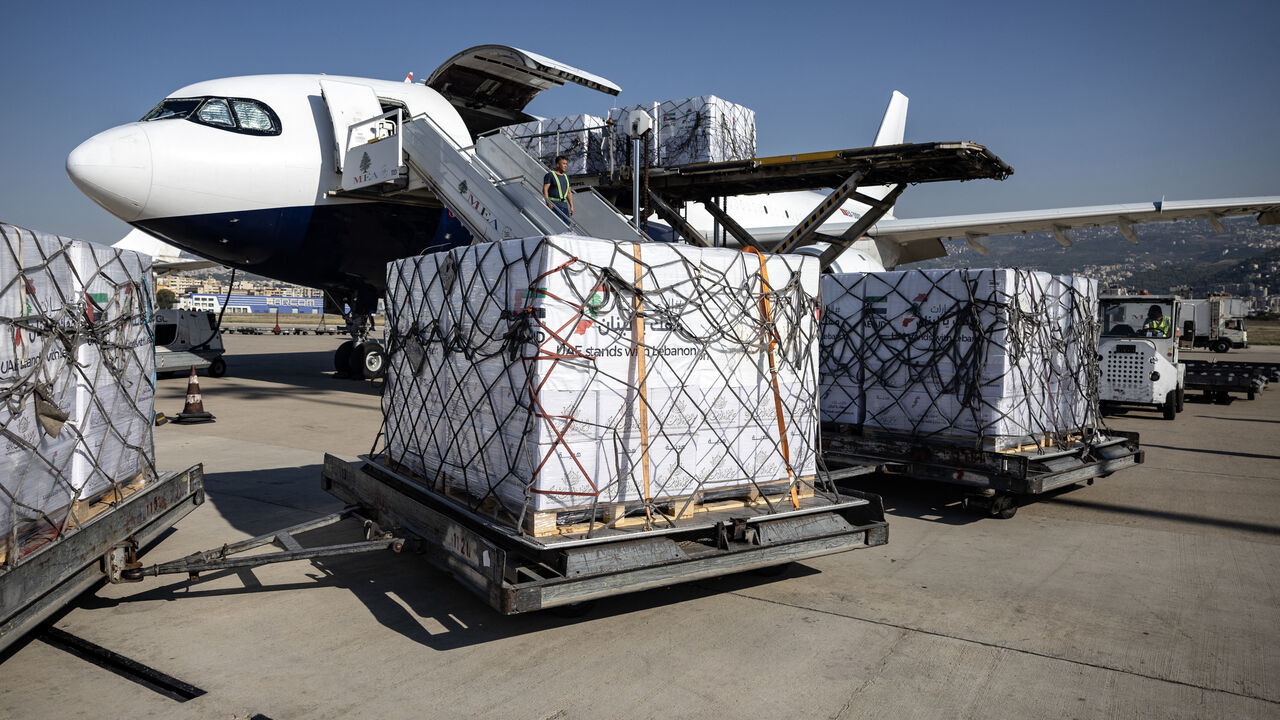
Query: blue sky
point(1090, 102)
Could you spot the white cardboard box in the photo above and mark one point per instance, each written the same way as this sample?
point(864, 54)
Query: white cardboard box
point(527, 384)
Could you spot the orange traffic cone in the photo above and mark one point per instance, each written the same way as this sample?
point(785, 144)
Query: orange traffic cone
point(193, 411)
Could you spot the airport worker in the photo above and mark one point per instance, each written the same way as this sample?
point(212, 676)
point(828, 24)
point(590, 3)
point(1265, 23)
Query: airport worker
point(1157, 324)
point(555, 188)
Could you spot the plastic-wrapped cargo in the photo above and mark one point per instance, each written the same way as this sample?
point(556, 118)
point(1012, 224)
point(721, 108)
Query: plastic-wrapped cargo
point(694, 130)
point(580, 138)
point(997, 358)
point(76, 380)
point(562, 372)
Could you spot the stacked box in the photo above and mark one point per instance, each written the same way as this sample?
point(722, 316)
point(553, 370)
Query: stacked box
point(694, 130)
point(76, 376)
point(515, 370)
point(580, 138)
point(997, 357)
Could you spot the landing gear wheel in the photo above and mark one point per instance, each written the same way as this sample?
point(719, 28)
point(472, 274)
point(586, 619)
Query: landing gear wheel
point(342, 358)
point(1221, 346)
point(1170, 406)
point(1004, 506)
point(218, 367)
point(368, 361)
point(1182, 399)
point(375, 361)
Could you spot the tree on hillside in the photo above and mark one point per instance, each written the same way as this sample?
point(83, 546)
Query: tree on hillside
point(166, 298)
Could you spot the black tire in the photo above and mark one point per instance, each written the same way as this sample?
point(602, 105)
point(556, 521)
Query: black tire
point(218, 367)
point(1170, 406)
point(373, 360)
point(1004, 506)
point(1221, 345)
point(1251, 394)
point(342, 357)
point(1182, 399)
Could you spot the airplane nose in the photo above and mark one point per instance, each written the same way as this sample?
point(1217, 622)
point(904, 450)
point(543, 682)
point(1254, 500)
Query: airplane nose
point(114, 169)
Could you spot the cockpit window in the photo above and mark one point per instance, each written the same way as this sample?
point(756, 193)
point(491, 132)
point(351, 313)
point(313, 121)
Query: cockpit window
point(170, 108)
point(252, 116)
point(240, 115)
point(215, 112)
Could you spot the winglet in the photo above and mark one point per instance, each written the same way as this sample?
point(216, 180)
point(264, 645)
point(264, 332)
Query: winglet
point(893, 128)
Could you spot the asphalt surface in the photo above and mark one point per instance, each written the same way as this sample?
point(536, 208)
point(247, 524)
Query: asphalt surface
point(1153, 593)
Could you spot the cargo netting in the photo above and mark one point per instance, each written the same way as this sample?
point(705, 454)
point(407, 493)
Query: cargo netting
point(997, 359)
point(694, 130)
point(77, 384)
point(567, 381)
point(579, 138)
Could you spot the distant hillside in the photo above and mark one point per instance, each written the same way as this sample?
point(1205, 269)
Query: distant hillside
point(1167, 254)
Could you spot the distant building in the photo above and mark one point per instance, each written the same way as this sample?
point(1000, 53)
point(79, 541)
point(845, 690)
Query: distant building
point(244, 303)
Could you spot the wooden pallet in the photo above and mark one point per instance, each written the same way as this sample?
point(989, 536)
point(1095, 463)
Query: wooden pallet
point(70, 518)
point(1004, 445)
point(630, 515)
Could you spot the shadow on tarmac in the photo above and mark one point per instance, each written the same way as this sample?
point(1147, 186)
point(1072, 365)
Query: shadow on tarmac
point(1188, 518)
point(402, 590)
point(1233, 453)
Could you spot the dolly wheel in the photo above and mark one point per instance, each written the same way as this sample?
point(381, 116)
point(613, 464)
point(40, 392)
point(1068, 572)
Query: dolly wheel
point(1004, 506)
point(218, 367)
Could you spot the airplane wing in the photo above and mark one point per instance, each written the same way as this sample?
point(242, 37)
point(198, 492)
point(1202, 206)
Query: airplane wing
point(490, 85)
point(929, 231)
point(165, 258)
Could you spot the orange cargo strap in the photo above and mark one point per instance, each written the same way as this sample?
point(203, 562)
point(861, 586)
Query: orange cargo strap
point(767, 312)
point(638, 333)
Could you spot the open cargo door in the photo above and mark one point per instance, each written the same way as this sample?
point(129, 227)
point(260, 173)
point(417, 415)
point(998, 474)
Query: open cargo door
point(490, 85)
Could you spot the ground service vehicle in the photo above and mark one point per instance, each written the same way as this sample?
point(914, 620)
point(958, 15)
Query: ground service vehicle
point(187, 339)
point(1216, 323)
point(1138, 353)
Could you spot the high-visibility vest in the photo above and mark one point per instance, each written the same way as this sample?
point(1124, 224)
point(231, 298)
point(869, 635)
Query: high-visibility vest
point(562, 193)
point(1160, 325)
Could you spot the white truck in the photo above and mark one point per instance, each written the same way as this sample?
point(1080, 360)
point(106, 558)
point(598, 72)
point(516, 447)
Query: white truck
point(187, 339)
point(1216, 323)
point(1138, 350)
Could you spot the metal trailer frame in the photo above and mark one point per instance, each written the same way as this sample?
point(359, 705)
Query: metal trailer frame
point(1000, 479)
point(516, 573)
point(1218, 379)
point(47, 579)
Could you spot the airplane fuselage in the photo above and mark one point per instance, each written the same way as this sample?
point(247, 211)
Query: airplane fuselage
point(254, 192)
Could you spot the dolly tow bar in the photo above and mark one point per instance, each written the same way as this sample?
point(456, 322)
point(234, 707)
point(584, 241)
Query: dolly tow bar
point(221, 558)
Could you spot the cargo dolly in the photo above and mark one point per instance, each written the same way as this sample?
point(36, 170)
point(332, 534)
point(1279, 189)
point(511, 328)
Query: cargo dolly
point(1217, 380)
point(1000, 480)
point(41, 582)
point(515, 573)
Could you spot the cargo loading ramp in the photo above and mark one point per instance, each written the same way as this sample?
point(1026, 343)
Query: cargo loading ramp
point(844, 171)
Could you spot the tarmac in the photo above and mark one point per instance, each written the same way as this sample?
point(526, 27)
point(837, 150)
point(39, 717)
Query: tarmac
point(1153, 593)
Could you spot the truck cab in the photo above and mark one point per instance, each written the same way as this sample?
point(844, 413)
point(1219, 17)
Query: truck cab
point(187, 339)
point(1138, 353)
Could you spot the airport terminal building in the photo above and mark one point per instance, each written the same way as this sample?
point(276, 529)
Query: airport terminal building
point(254, 303)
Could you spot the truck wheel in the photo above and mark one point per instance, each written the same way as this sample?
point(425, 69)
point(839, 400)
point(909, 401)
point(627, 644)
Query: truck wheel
point(1221, 345)
point(218, 367)
point(1170, 406)
point(1182, 399)
point(1251, 394)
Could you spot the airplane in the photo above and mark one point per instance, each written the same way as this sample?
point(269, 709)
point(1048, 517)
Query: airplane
point(244, 172)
